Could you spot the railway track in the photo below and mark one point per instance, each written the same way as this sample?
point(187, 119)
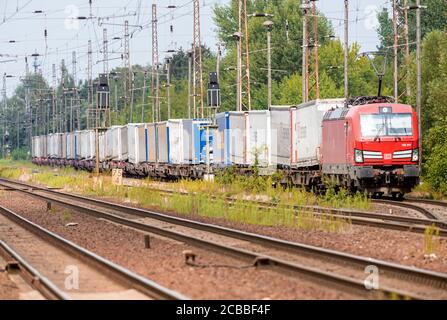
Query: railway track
point(380, 220)
point(408, 205)
point(47, 260)
point(15, 263)
point(330, 267)
point(428, 201)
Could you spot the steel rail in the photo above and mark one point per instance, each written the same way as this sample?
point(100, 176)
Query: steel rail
point(120, 274)
point(406, 205)
point(398, 271)
point(427, 201)
point(31, 276)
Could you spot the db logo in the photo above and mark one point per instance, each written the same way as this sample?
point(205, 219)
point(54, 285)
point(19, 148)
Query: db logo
point(388, 156)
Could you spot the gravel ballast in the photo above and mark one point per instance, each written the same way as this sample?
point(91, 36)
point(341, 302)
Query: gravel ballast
point(218, 277)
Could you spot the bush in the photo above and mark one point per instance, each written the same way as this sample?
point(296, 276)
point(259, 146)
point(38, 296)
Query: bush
point(20, 154)
point(435, 166)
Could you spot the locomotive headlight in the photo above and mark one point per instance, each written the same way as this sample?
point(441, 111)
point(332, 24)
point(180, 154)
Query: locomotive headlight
point(415, 156)
point(358, 155)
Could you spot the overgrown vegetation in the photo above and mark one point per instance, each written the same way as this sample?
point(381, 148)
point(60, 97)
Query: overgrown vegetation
point(20, 154)
point(431, 239)
point(205, 199)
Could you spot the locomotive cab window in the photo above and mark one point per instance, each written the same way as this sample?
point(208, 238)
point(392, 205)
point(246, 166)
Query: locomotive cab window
point(382, 125)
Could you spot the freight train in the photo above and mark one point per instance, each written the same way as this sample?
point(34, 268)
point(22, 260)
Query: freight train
point(368, 144)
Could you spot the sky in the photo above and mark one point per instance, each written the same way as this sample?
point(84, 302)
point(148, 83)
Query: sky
point(19, 22)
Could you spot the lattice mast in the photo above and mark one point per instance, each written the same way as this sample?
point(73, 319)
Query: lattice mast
point(54, 99)
point(29, 111)
point(75, 98)
point(395, 52)
point(4, 107)
point(64, 98)
point(346, 50)
point(245, 85)
point(105, 50)
point(315, 44)
point(407, 49)
point(5, 102)
point(127, 62)
point(89, 85)
point(197, 65)
point(155, 75)
point(305, 66)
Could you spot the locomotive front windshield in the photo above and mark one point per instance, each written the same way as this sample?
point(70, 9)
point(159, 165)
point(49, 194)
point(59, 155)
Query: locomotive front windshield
point(387, 124)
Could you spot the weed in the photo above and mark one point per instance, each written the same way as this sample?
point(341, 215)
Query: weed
point(210, 199)
point(431, 239)
point(66, 216)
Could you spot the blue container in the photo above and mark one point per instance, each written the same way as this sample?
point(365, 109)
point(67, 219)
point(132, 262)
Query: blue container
point(194, 140)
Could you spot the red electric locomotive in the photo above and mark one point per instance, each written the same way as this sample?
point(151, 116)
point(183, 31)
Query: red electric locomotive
point(372, 146)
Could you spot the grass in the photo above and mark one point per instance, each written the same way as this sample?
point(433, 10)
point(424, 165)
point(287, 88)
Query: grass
point(198, 202)
point(66, 216)
point(268, 192)
point(426, 191)
point(249, 213)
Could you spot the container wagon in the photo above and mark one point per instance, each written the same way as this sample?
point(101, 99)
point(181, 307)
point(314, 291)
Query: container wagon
point(367, 144)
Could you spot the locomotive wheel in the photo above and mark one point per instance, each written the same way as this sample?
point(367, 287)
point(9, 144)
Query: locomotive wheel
point(397, 195)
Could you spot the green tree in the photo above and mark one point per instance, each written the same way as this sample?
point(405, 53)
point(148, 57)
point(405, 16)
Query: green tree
point(434, 17)
point(286, 52)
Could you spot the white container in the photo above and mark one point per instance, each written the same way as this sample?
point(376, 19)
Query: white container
point(109, 144)
point(71, 146)
point(56, 145)
point(162, 142)
point(84, 145)
point(50, 139)
point(63, 146)
point(152, 147)
point(57, 139)
point(281, 118)
point(79, 146)
point(37, 150)
point(91, 145)
point(46, 146)
point(258, 145)
point(306, 131)
point(102, 146)
point(40, 152)
point(117, 145)
point(137, 143)
point(303, 125)
point(221, 145)
point(175, 142)
point(237, 137)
